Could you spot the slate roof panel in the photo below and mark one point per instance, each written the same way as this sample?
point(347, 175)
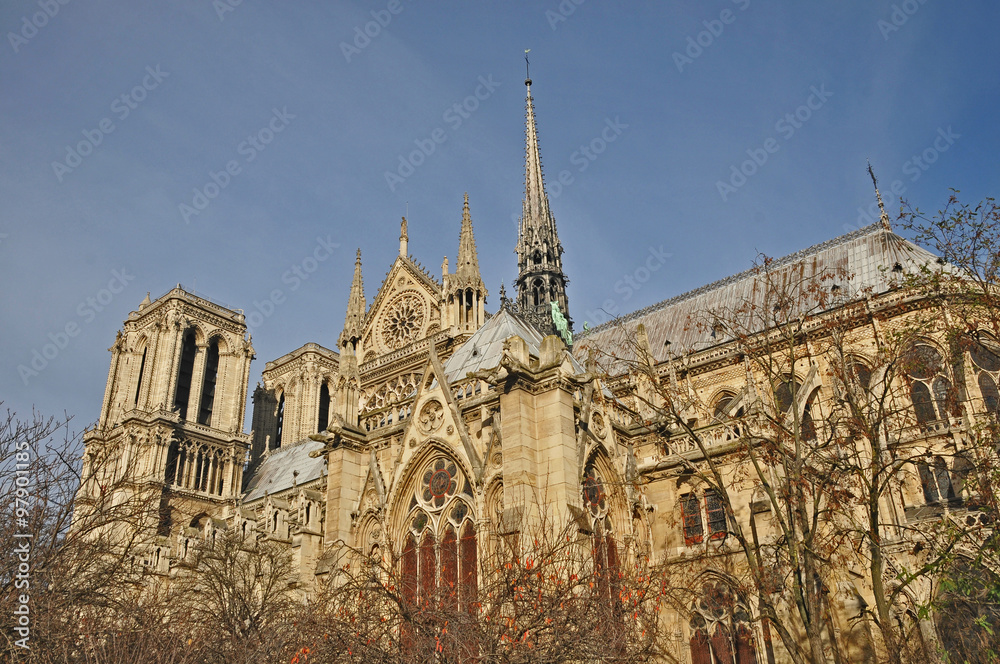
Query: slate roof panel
point(277, 472)
point(868, 254)
point(483, 349)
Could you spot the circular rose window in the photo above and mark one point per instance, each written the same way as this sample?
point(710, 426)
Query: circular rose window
point(439, 483)
point(403, 321)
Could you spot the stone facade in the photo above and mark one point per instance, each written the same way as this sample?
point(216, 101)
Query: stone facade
point(435, 421)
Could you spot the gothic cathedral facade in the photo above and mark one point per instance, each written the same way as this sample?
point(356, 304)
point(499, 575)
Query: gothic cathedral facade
point(431, 420)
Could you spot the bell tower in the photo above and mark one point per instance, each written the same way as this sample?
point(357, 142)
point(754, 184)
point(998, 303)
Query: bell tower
point(540, 279)
point(171, 424)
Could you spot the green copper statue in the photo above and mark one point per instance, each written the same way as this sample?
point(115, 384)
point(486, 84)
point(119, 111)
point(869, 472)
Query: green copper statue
point(561, 325)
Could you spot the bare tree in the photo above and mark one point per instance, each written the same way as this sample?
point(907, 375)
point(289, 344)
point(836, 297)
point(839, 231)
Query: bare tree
point(236, 593)
point(551, 595)
point(827, 426)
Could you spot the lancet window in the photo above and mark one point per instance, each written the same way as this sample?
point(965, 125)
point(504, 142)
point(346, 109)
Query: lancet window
point(930, 388)
point(323, 421)
point(596, 502)
point(985, 353)
point(208, 384)
point(721, 631)
point(439, 547)
point(184, 374)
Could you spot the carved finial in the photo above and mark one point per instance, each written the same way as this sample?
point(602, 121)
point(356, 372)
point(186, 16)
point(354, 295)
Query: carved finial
point(503, 295)
point(356, 307)
point(883, 216)
point(403, 238)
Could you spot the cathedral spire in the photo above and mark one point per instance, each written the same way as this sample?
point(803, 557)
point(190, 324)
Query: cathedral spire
point(536, 202)
point(540, 281)
point(356, 306)
point(467, 264)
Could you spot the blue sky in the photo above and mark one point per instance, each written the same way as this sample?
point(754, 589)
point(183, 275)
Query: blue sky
point(113, 115)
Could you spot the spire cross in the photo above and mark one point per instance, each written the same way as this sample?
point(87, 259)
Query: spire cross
point(527, 68)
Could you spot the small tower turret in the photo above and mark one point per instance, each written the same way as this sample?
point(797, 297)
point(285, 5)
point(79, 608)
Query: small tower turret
point(349, 380)
point(464, 292)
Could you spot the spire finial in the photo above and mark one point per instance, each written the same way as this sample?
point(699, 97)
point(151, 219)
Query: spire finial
point(467, 262)
point(356, 306)
point(403, 238)
point(883, 216)
point(527, 68)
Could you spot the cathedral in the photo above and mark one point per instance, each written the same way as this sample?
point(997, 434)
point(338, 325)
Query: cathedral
point(431, 420)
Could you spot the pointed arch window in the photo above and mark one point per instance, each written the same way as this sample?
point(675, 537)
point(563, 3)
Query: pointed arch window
point(208, 384)
point(930, 389)
point(176, 457)
point(985, 354)
point(605, 550)
point(323, 421)
point(935, 480)
point(439, 553)
point(787, 396)
point(182, 394)
point(138, 382)
point(279, 424)
point(721, 630)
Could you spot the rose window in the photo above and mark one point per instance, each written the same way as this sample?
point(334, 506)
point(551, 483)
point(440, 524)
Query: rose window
point(594, 497)
point(403, 321)
point(439, 483)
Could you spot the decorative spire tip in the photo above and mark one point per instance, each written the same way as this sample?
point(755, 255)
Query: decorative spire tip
point(883, 216)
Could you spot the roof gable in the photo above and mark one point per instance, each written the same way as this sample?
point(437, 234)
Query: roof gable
point(406, 308)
